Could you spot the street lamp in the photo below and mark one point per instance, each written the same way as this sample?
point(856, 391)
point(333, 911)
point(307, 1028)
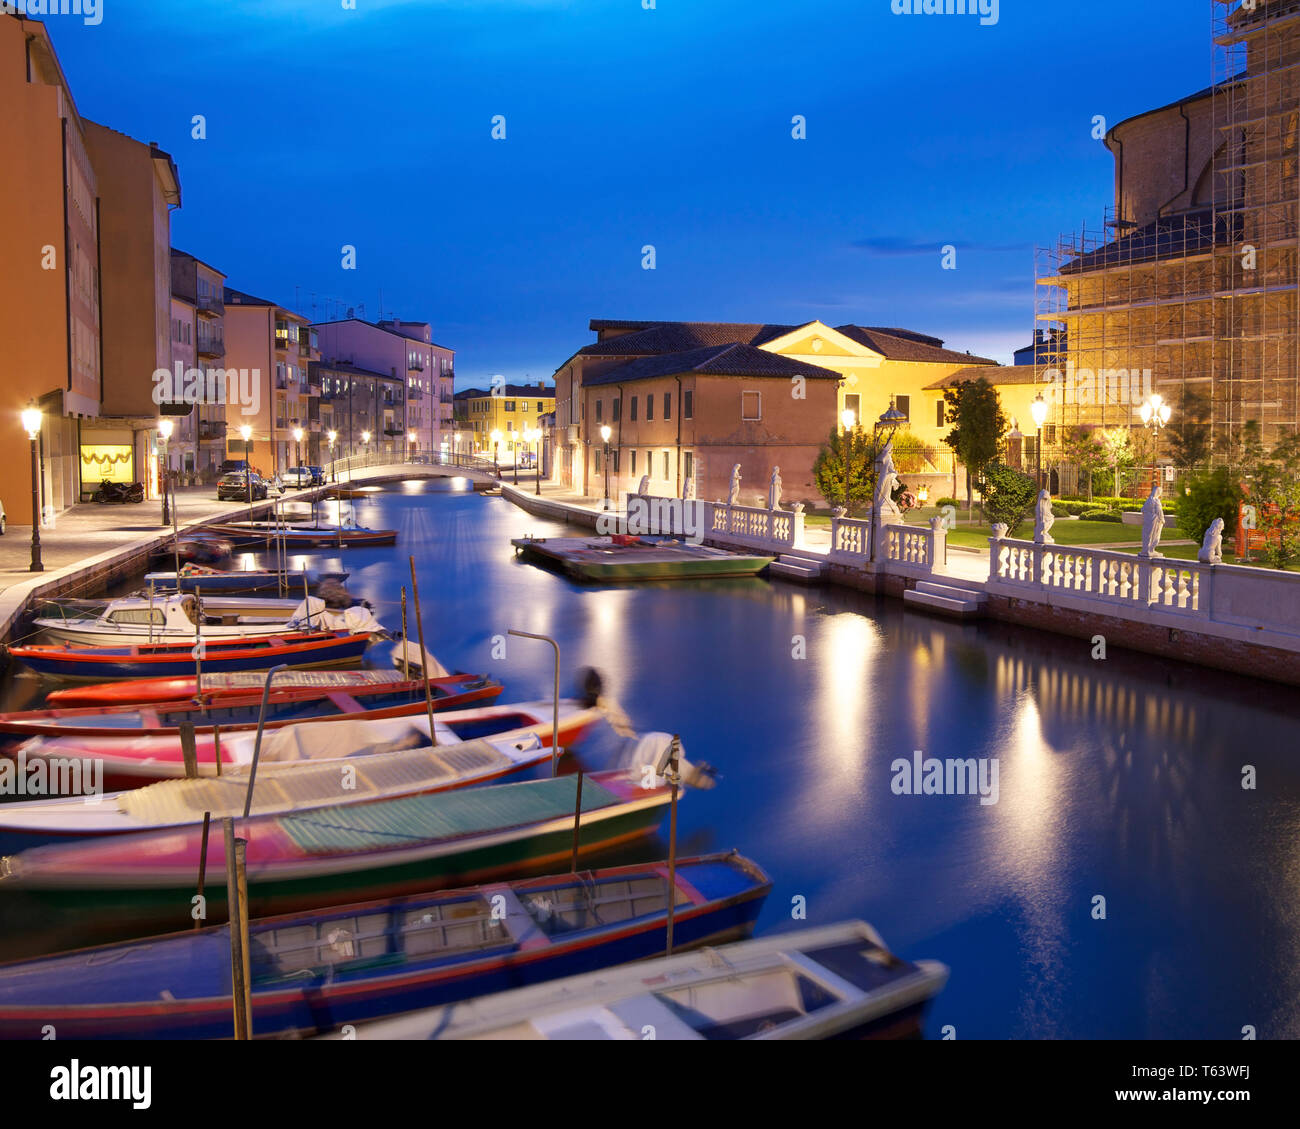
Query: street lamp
point(1155, 414)
point(849, 418)
point(297, 439)
point(890, 421)
point(605, 433)
point(411, 449)
point(331, 436)
point(32, 425)
point(496, 445)
point(246, 433)
point(365, 442)
point(165, 427)
point(1038, 409)
point(532, 435)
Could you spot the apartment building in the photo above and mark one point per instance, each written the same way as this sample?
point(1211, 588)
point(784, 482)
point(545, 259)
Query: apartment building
point(269, 350)
point(50, 288)
point(200, 443)
point(511, 410)
point(365, 409)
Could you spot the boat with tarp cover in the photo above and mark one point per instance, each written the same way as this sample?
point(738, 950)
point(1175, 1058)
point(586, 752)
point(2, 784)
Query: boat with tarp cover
point(310, 973)
point(138, 691)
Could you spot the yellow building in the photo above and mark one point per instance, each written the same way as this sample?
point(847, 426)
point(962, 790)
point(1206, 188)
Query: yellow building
point(510, 410)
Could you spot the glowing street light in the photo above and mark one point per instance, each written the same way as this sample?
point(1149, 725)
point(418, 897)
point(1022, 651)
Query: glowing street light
point(165, 427)
point(1155, 414)
point(246, 433)
point(332, 435)
point(1038, 409)
point(531, 436)
point(605, 433)
point(496, 444)
point(849, 418)
point(297, 438)
point(31, 417)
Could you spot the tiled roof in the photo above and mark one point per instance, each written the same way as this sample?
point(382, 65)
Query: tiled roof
point(653, 338)
point(1169, 237)
point(994, 374)
point(716, 360)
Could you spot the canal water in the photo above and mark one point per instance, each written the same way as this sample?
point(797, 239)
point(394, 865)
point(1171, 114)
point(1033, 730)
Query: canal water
point(1123, 885)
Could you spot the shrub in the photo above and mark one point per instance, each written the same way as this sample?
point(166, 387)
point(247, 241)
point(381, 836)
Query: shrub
point(1006, 495)
point(1210, 495)
point(947, 502)
point(1100, 515)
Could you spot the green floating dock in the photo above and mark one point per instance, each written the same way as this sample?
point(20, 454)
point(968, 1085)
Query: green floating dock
point(638, 558)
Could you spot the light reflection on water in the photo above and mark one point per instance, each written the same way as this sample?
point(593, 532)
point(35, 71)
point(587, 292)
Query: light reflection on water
point(1118, 778)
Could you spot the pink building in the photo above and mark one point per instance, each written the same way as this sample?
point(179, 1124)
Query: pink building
point(405, 350)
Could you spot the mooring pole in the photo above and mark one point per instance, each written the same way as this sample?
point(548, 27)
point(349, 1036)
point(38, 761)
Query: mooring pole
point(198, 640)
point(237, 904)
point(424, 654)
point(257, 744)
point(674, 779)
point(406, 655)
point(188, 751)
point(577, 823)
point(203, 865)
point(555, 705)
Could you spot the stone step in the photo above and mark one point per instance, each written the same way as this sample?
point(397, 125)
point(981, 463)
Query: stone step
point(952, 592)
point(958, 608)
point(797, 570)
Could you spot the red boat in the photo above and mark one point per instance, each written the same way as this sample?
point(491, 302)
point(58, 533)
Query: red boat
point(302, 536)
point(141, 691)
point(296, 648)
point(236, 713)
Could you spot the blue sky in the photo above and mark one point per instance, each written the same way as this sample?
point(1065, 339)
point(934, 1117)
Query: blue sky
point(626, 127)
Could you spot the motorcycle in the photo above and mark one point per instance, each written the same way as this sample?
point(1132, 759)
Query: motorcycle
point(120, 492)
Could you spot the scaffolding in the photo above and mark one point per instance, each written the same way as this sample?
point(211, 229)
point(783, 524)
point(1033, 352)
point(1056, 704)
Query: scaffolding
point(1204, 300)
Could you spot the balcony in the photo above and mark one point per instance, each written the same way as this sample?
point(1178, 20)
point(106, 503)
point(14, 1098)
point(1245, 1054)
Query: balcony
point(211, 345)
point(211, 305)
point(414, 394)
point(415, 364)
point(212, 431)
point(284, 343)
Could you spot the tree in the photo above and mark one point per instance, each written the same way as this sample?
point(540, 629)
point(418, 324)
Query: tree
point(1117, 443)
point(1189, 430)
point(1208, 494)
point(856, 448)
point(1006, 495)
point(979, 426)
point(1242, 450)
point(1083, 447)
point(1277, 489)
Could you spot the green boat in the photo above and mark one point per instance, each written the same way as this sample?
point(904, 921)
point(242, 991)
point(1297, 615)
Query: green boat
point(638, 558)
point(127, 885)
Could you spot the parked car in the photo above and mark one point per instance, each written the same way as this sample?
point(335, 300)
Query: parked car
point(317, 475)
point(233, 464)
point(233, 487)
point(296, 476)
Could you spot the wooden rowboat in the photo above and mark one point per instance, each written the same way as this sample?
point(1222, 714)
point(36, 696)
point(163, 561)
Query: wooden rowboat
point(126, 885)
point(141, 691)
point(198, 578)
point(295, 648)
point(311, 973)
point(836, 981)
point(302, 536)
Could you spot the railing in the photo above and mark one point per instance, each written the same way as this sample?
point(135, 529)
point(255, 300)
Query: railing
point(211, 345)
point(911, 548)
point(211, 304)
point(762, 528)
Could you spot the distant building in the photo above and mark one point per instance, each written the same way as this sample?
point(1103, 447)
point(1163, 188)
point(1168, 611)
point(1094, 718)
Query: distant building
point(199, 445)
point(511, 410)
point(357, 403)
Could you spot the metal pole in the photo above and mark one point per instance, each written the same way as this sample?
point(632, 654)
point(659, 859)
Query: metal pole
point(674, 779)
point(1038, 455)
point(36, 565)
point(257, 744)
point(577, 822)
point(203, 863)
point(235, 864)
point(424, 654)
point(198, 639)
point(188, 751)
point(406, 655)
point(176, 545)
point(555, 705)
point(166, 478)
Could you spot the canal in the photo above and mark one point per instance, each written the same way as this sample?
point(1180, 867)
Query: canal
point(1123, 885)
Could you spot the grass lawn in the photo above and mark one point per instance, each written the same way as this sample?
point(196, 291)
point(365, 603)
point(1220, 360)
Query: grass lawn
point(1065, 532)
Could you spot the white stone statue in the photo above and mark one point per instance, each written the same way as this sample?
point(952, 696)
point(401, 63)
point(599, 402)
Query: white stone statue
point(688, 491)
point(644, 485)
point(883, 504)
point(1044, 519)
point(1153, 523)
point(999, 531)
point(1212, 547)
point(774, 490)
point(733, 495)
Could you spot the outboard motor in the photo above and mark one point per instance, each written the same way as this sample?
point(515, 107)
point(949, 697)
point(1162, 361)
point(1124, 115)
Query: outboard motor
point(591, 686)
point(654, 751)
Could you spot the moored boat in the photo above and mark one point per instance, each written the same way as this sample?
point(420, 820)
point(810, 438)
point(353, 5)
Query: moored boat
point(128, 761)
point(831, 982)
point(96, 663)
point(302, 536)
point(198, 578)
point(311, 973)
point(233, 713)
point(124, 885)
point(139, 691)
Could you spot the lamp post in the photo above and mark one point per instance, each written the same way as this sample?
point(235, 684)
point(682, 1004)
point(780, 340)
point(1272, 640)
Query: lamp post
point(297, 441)
point(1155, 414)
point(849, 418)
point(1038, 409)
point(889, 422)
point(165, 433)
point(605, 433)
point(246, 433)
point(31, 417)
point(514, 442)
point(331, 436)
point(532, 435)
point(496, 447)
point(411, 448)
point(365, 442)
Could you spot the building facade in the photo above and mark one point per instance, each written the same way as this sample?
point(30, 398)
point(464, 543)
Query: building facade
point(363, 408)
point(200, 288)
point(510, 409)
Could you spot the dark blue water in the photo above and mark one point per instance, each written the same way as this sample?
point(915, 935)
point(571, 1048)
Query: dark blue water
point(1119, 779)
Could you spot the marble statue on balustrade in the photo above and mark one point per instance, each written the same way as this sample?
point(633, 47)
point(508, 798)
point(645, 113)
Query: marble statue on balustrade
point(774, 490)
point(1044, 519)
point(733, 495)
point(1153, 523)
point(644, 485)
point(883, 506)
point(1212, 547)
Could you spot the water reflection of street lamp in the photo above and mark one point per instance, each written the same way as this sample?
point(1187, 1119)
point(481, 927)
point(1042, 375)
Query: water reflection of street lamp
point(165, 433)
point(1155, 414)
point(32, 425)
point(1038, 409)
point(849, 418)
point(247, 433)
point(496, 446)
point(605, 433)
